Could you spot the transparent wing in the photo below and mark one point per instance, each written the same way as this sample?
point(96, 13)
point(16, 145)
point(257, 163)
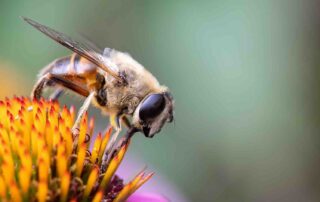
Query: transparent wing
point(82, 49)
point(85, 39)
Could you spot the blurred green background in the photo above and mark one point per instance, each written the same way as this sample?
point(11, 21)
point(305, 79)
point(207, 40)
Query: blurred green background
point(244, 74)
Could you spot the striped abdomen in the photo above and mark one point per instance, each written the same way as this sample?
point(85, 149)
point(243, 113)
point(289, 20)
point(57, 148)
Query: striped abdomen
point(74, 68)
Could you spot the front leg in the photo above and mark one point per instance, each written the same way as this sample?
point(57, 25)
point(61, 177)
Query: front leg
point(126, 122)
point(115, 123)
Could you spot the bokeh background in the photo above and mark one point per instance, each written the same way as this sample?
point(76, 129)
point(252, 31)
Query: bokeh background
point(244, 74)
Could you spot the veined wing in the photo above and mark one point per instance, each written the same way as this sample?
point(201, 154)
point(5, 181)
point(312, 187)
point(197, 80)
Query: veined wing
point(82, 49)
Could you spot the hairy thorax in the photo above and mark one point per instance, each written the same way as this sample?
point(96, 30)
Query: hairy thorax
point(124, 98)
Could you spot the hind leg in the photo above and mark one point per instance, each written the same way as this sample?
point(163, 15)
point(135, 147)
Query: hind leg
point(51, 79)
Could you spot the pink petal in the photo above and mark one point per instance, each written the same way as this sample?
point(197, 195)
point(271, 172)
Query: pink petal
point(147, 197)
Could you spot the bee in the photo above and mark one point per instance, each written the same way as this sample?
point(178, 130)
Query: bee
point(110, 80)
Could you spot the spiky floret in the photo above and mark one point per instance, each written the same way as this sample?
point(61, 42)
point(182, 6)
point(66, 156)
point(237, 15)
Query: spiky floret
point(41, 159)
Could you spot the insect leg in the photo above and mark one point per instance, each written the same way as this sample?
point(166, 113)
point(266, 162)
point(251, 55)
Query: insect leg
point(115, 123)
point(83, 110)
point(38, 88)
point(56, 94)
point(109, 154)
point(125, 121)
point(56, 79)
point(112, 148)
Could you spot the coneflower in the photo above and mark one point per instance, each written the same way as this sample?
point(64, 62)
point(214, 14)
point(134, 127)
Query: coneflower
point(41, 159)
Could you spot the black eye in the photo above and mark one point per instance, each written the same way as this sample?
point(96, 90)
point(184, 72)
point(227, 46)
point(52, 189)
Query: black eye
point(152, 106)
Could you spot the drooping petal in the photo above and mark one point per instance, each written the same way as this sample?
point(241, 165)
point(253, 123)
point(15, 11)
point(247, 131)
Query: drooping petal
point(147, 197)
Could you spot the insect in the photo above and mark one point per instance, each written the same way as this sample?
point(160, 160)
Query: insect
point(111, 80)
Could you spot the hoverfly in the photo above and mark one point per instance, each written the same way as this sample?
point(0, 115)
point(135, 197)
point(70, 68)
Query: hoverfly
point(111, 80)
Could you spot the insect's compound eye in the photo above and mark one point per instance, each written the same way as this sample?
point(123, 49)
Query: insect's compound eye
point(152, 106)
